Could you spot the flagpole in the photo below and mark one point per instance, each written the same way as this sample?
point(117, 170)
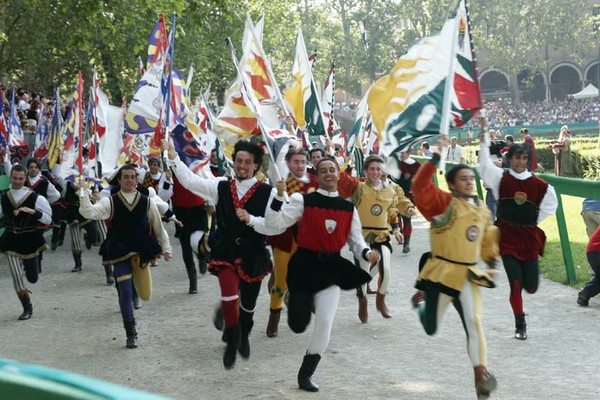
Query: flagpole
point(80, 128)
point(170, 59)
point(445, 117)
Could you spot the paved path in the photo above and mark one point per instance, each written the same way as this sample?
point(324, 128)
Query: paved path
point(77, 326)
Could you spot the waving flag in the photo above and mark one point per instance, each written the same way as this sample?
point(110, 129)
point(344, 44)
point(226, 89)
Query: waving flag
point(4, 139)
point(302, 97)
point(55, 137)
point(16, 141)
point(157, 43)
point(99, 108)
point(40, 150)
point(237, 118)
point(466, 99)
point(329, 99)
point(407, 105)
point(71, 163)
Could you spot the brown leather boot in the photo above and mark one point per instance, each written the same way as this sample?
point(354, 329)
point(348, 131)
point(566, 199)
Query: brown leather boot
point(485, 383)
point(381, 307)
point(273, 325)
point(363, 309)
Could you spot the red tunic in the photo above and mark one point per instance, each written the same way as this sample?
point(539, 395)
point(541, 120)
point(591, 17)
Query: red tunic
point(594, 243)
point(518, 210)
point(183, 197)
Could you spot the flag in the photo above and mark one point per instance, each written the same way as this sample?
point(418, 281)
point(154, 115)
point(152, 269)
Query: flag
point(54, 137)
point(111, 143)
point(71, 164)
point(142, 69)
point(238, 118)
point(312, 59)
point(16, 140)
point(4, 140)
point(407, 105)
point(466, 99)
point(356, 137)
point(99, 112)
point(40, 149)
point(157, 44)
point(190, 76)
point(302, 97)
point(79, 160)
point(328, 101)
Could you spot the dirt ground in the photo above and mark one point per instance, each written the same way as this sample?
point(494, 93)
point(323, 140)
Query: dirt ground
point(76, 326)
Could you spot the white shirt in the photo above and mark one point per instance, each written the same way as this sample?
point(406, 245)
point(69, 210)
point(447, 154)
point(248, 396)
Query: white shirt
point(41, 204)
point(208, 189)
point(103, 210)
point(52, 194)
point(492, 175)
point(291, 212)
point(455, 154)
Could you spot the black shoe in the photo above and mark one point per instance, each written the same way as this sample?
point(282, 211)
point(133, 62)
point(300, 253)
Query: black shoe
point(108, 270)
point(309, 365)
point(218, 318)
point(202, 266)
point(131, 331)
point(54, 245)
point(193, 286)
point(78, 263)
point(405, 249)
point(137, 302)
point(246, 324)
point(583, 299)
point(27, 307)
point(520, 327)
point(233, 339)
point(88, 243)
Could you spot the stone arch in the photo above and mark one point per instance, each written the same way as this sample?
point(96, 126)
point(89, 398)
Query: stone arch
point(565, 78)
point(591, 73)
point(532, 86)
point(494, 83)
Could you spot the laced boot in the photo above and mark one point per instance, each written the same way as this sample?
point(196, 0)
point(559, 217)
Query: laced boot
point(27, 307)
point(363, 309)
point(309, 365)
point(485, 383)
point(273, 325)
point(520, 327)
point(108, 270)
point(78, 264)
point(246, 324)
point(233, 340)
point(381, 306)
point(131, 331)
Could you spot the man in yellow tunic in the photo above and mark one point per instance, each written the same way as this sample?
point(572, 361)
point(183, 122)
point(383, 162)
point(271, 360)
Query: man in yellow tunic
point(461, 233)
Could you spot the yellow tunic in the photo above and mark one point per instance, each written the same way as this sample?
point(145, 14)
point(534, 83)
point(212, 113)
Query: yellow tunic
point(376, 208)
point(459, 237)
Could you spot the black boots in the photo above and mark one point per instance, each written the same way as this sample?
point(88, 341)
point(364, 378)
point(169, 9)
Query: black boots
point(202, 266)
point(55, 235)
point(27, 307)
point(193, 285)
point(233, 340)
point(520, 327)
point(78, 265)
point(406, 245)
point(108, 270)
point(131, 332)
point(246, 324)
point(309, 365)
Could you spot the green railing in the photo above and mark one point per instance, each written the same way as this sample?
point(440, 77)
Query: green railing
point(563, 186)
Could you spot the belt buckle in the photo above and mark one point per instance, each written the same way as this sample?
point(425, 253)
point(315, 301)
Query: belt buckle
point(238, 241)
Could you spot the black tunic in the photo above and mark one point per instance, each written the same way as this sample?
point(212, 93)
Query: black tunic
point(23, 236)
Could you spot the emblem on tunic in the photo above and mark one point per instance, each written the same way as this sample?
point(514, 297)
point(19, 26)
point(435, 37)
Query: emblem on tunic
point(330, 225)
point(520, 198)
point(376, 209)
point(472, 233)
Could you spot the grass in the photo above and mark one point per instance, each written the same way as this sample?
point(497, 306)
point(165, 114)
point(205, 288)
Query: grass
point(552, 264)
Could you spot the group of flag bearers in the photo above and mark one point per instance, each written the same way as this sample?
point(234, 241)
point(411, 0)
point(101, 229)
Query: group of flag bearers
point(306, 217)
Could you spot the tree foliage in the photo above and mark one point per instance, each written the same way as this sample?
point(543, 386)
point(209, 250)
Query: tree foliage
point(43, 43)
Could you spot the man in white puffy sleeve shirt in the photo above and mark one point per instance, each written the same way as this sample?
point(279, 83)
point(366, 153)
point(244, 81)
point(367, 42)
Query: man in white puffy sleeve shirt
point(26, 214)
point(136, 237)
point(524, 200)
point(239, 256)
point(316, 272)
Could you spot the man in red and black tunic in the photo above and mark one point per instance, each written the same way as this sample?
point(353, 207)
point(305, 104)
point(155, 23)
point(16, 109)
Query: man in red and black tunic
point(240, 259)
point(524, 200)
point(317, 271)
